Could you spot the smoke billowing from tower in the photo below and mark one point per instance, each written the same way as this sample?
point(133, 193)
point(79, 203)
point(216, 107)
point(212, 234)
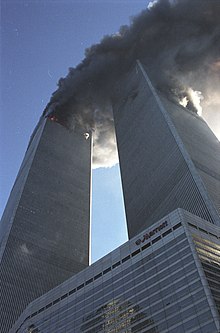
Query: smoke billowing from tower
point(177, 40)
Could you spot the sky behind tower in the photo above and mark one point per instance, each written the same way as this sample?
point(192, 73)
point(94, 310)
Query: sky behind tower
point(40, 41)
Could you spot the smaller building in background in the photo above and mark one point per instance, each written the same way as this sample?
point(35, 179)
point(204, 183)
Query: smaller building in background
point(166, 279)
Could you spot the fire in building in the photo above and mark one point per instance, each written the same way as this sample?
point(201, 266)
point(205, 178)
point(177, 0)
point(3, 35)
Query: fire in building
point(166, 277)
point(176, 206)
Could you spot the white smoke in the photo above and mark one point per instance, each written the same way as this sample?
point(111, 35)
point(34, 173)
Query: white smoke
point(152, 4)
point(195, 97)
point(24, 249)
point(104, 141)
point(184, 101)
point(105, 154)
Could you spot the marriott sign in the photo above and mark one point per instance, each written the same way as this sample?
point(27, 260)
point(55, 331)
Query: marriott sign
point(151, 233)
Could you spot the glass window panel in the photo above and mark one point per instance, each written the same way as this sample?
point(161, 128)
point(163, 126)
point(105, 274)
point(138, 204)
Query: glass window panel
point(139, 279)
point(191, 324)
point(173, 320)
point(158, 306)
point(208, 328)
point(117, 276)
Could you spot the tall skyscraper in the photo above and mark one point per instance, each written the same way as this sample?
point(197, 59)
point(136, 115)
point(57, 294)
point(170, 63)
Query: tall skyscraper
point(169, 158)
point(45, 228)
point(166, 278)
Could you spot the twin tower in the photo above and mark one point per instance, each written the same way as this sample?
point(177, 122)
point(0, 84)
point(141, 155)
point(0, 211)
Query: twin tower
point(169, 159)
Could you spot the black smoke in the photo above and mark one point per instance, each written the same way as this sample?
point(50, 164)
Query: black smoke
point(177, 40)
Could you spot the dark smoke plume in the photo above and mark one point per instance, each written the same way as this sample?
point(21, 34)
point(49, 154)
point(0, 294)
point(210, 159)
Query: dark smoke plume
point(178, 40)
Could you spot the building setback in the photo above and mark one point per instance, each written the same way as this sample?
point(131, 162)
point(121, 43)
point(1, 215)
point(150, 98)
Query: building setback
point(164, 280)
point(45, 227)
point(169, 157)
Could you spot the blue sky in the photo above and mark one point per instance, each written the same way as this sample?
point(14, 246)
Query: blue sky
point(40, 40)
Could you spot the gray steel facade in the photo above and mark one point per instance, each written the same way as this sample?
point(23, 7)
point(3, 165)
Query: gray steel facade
point(169, 157)
point(165, 279)
point(160, 281)
point(45, 228)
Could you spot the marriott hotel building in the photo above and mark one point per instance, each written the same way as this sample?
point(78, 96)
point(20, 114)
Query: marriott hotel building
point(165, 279)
